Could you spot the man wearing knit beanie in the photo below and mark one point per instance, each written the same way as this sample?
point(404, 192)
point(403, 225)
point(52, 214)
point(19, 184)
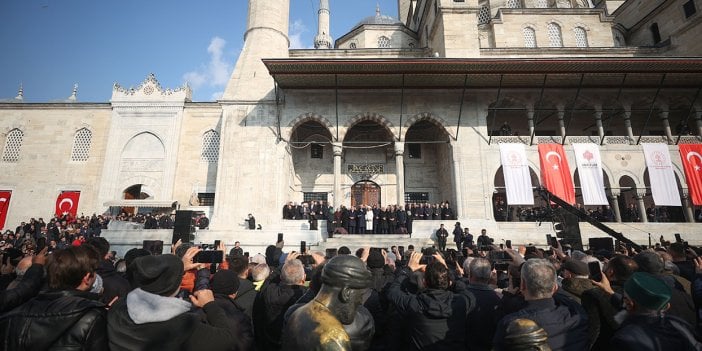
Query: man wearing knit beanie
point(225, 285)
point(151, 318)
point(645, 325)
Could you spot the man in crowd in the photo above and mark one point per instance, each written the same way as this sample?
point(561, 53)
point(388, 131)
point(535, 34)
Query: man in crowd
point(481, 320)
point(65, 317)
point(441, 235)
point(246, 293)
point(114, 284)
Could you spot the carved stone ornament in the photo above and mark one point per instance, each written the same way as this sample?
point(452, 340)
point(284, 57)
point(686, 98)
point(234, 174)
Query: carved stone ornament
point(150, 89)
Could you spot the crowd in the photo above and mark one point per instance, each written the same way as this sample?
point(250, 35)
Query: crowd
point(481, 297)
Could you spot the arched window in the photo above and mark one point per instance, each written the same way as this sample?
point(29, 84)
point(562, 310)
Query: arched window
point(352, 46)
point(81, 145)
point(484, 15)
point(383, 42)
point(554, 35)
point(514, 4)
point(529, 37)
point(210, 147)
point(580, 37)
point(13, 145)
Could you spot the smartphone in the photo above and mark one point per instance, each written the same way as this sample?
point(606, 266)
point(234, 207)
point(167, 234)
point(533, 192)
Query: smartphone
point(595, 272)
point(548, 239)
point(678, 239)
point(280, 237)
point(303, 247)
point(210, 256)
point(554, 241)
point(502, 247)
point(216, 244)
point(508, 244)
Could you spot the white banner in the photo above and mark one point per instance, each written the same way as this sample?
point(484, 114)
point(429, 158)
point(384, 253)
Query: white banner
point(589, 164)
point(516, 172)
point(660, 171)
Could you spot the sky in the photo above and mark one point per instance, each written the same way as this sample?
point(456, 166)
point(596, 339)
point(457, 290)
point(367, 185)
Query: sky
point(47, 46)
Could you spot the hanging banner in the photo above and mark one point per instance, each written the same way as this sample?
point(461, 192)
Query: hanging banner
point(691, 155)
point(67, 203)
point(555, 172)
point(516, 173)
point(4, 206)
point(589, 163)
point(660, 171)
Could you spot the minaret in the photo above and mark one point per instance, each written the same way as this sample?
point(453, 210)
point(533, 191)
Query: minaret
point(323, 40)
point(266, 37)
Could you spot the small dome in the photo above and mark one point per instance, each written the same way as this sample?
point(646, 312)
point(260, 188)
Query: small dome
point(378, 19)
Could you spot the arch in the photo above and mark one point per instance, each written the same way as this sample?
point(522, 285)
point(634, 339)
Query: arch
point(501, 209)
point(143, 142)
point(210, 147)
point(365, 192)
point(369, 116)
point(82, 141)
point(151, 186)
point(426, 116)
point(529, 34)
point(555, 34)
point(13, 145)
point(306, 117)
point(580, 37)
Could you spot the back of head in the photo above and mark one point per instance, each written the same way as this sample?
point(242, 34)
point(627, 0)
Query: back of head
point(272, 256)
point(100, 244)
point(622, 267)
point(260, 272)
point(346, 271)
point(539, 278)
point(293, 273)
point(238, 264)
point(677, 250)
point(66, 268)
point(649, 262)
point(158, 274)
point(480, 270)
point(344, 251)
point(436, 276)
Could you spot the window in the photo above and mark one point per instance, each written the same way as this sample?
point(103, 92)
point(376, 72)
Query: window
point(210, 147)
point(580, 37)
point(655, 33)
point(513, 4)
point(81, 145)
point(383, 42)
point(206, 199)
point(317, 151)
point(484, 15)
point(416, 198)
point(307, 197)
point(542, 4)
point(414, 150)
point(529, 37)
point(13, 144)
point(689, 8)
point(554, 35)
point(352, 45)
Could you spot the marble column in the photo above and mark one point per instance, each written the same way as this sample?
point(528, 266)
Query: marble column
point(338, 196)
point(687, 206)
point(642, 206)
point(666, 125)
point(455, 156)
point(698, 119)
point(530, 119)
point(614, 204)
point(598, 122)
point(561, 121)
point(400, 172)
point(627, 124)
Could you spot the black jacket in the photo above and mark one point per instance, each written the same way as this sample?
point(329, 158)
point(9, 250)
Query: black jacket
point(245, 297)
point(144, 321)
point(242, 323)
point(114, 283)
point(481, 321)
point(651, 333)
point(563, 319)
point(269, 309)
point(436, 319)
point(27, 288)
point(56, 320)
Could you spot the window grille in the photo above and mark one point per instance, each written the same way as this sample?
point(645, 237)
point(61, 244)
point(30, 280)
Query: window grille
point(542, 4)
point(514, 4)
point(529, 37)
point(580, 37)
point(210, 147)
point(81, 145)
point(383, 42)
point(206, 199)
point(484, 15)
point(554, 35)
point(13, 145)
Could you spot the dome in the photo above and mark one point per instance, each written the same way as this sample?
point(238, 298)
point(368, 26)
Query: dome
point(378, 19)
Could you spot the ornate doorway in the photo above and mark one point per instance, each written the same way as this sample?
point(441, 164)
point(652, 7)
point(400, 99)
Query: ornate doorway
point(366, 193)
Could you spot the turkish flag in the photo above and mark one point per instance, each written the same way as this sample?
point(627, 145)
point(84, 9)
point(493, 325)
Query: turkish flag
point(691, 155)
point(4, 206)
point(555, 173)
point(67, 202)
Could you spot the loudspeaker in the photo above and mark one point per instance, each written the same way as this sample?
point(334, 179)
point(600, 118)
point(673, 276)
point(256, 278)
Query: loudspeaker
point(597, 244)
point(153, 246)
point(183, 227)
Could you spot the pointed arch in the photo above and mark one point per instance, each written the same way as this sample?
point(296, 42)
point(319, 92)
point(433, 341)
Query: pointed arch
point(427, 116)
point(369, 116)
point(82, 141)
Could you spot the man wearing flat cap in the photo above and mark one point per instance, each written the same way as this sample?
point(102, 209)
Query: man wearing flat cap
point(645, 326)
point(152, 318)
point(318, 325)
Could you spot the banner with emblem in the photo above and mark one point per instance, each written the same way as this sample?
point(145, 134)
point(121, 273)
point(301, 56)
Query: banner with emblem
point(589, 164)
point(660, 171)
point(67, 203)
point(555, 172)
point(516, 173)
point(691, 155)
point(4, 206)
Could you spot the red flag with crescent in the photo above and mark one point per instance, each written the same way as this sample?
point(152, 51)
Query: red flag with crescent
point(67, 202)
point(4, 206)
point(555, 172)
point(691, 155)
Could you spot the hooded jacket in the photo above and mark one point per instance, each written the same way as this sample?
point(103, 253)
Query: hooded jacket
point(436, 319)
point(145, 321)
point(56, 320)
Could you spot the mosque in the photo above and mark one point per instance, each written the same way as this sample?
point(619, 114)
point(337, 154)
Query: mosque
point(418, 107)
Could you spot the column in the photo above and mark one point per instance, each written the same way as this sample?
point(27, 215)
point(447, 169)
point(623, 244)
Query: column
point(400, 172)
point(642, 207)
point(338, 196)
point(458, 206)
point(627, 124)
point(614, 204)
point(561, 122)
point(687, 206)
point(698, 119)
point(598, 122)
point(666, 124)
point(530, 119)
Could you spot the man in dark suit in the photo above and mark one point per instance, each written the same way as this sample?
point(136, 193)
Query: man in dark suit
point(441, 235)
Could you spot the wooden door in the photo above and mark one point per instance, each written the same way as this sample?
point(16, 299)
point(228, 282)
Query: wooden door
point(365, 193)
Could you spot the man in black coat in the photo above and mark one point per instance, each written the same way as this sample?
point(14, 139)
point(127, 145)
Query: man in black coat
point(563, 319)
point(225, 285)
point(481, 321)
point(441, 235)
point(458, 236)
point(114, 284)
point(246, 293)
point(65, 317)
point(435, 317)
